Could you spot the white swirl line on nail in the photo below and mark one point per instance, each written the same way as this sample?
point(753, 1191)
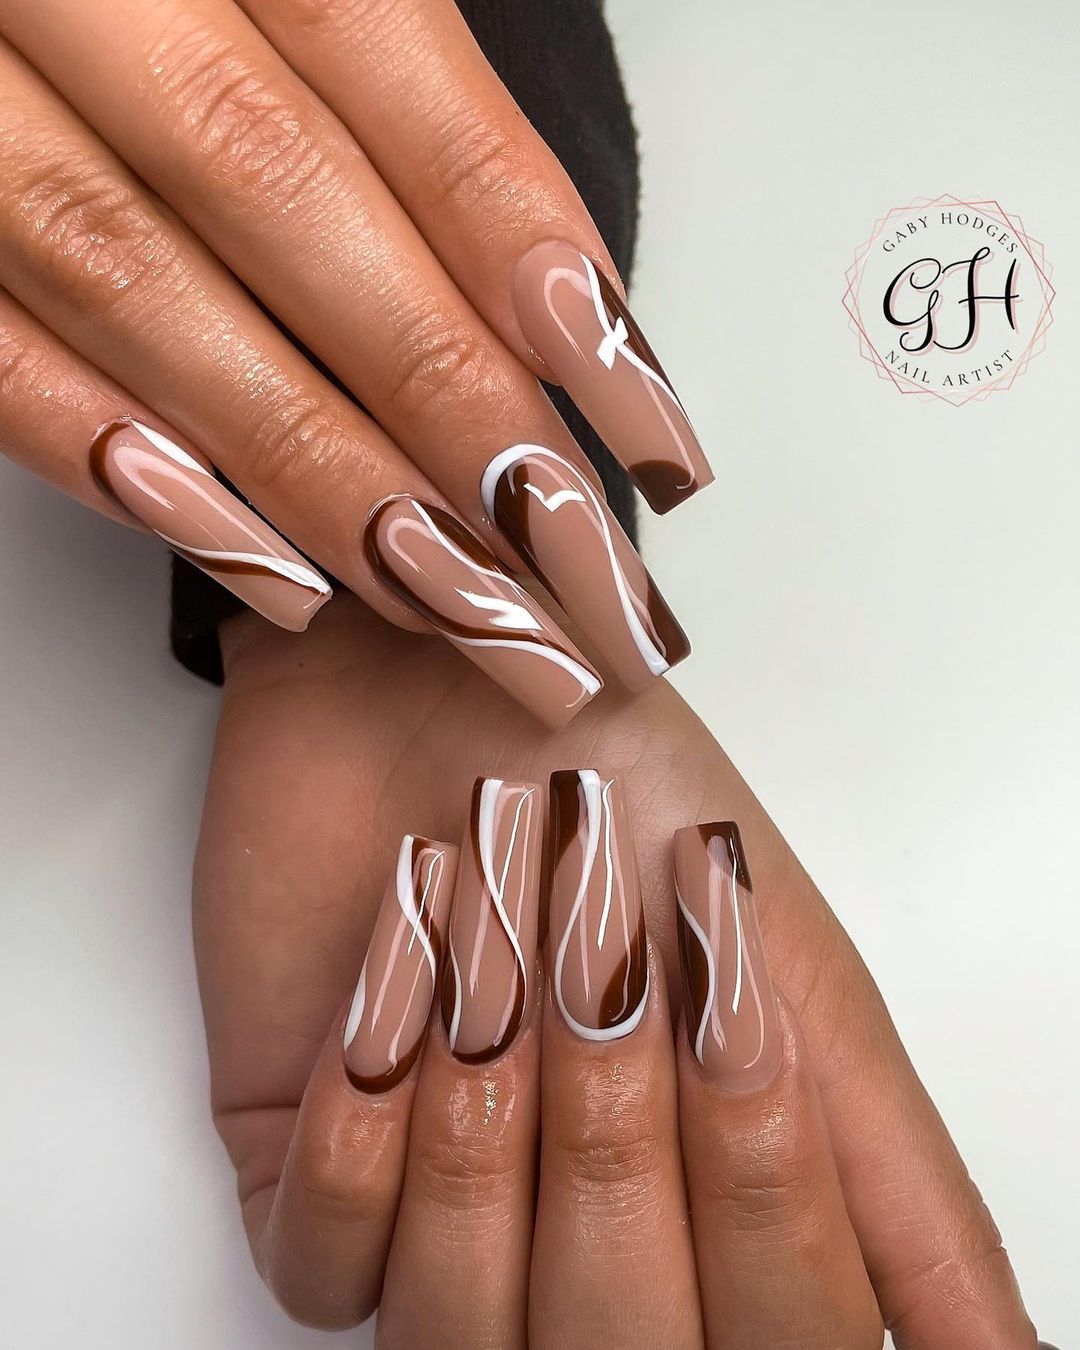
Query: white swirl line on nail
point(414, 912)
point(283, 567)
point(650, 653)
point(697, 930)
point(170, 449)
point(455, 1020)
point(594, 795)
point(615, 338)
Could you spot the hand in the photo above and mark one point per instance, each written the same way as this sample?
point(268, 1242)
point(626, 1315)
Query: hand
point(362, 171)
point(326, 755)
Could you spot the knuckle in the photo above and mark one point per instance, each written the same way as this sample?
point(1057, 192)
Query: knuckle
point(974, 1257)
point(329, 1180)
point(481, 163)
point(435, 365)
point(246, 133)
point(465, 1174)
point(620, 1159)
point(21, 366)
point(295, 443)
point(766, 1181)
point(100, 241)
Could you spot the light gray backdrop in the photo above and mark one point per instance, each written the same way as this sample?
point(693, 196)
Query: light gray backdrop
point(882, 596)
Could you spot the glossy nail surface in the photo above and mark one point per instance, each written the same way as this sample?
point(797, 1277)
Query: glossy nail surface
point(730, 1006)
point(561, 523)
point(176, 496)
point(599, 954)
point(385, 1025)
point(440, 568)
point(491, 954)
point(578, 325)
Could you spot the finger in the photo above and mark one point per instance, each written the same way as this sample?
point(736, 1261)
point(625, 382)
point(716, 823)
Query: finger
point(942, 1278)
point(76, 428)
point(241, 147)
point(321, 1240)
point(778, 1262)
point(112, 274)
point(499, 210)
point(457, 1276)
point(612, 1258)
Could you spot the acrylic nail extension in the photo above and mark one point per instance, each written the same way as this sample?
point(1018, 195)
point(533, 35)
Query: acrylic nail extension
point(730, 1008)
point(578, 325)
point(561, 523)
point(440, 568)
point(491, 951)
point(385, 1025)
point(170, 491)
point(599, 954)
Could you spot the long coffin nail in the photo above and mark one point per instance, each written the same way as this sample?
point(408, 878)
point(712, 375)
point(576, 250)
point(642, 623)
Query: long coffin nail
point(563, 526)
point(492, 948)
point(600, 969)
point(731, 1015)
point(388, 1016)
point(579, 326)
point(169, 490)
point(443, 571)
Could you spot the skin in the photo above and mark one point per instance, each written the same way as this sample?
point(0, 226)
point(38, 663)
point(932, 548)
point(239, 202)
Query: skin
point(374, 733)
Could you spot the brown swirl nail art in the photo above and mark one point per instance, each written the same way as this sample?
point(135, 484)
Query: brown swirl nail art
point(385, 1026)
point(731, 1017)
point(561, 523)
point(159, 483)
point(599, 951)
point(578, 324)
point(441, 569)
point(492, 945)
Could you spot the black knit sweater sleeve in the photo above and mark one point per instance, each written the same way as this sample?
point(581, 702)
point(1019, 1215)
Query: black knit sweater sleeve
point(557, 59)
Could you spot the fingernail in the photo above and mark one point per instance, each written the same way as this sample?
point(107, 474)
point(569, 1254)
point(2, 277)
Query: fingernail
point(492, 947)
point(432, 562)
point(578, 325)
point(177, 497)
point(599, 963)
point(385, 1026)
point(563, 526)
point(731, 1017)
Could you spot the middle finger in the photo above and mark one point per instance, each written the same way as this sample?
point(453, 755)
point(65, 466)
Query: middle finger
point(193, 97)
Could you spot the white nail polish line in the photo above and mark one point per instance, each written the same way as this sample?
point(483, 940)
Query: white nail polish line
point(414, 913)
point(594, 796)
point(651, 654)
point(168, 448)
point(696, 929)
point(614, 340)
point(298, 573)
point(590, 683)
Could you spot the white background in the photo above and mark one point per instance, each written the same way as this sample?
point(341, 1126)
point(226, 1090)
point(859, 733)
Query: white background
point(882, 595)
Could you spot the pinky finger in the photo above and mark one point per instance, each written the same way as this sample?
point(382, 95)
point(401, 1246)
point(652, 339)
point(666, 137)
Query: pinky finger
point(70, 424)
point(778, 1261)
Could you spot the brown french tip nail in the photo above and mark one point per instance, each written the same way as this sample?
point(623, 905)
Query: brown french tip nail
point(442, 570)
point(561, 523)
point(731, 1017)
point(577, 323)
point(386, 1021)
point(159, 483)
point(491, 953)
point(599, 953)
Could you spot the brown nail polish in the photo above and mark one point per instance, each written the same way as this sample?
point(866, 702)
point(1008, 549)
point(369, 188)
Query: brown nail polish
point(385, 1025)
point(580, 327)
point(491, 952)
point(561, 523)
point(599, 954)
point(430, 560)
point(176, 496)
point(730, 1007)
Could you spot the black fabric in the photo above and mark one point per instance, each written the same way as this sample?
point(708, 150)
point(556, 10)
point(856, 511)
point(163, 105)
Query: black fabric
point(556, 58)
